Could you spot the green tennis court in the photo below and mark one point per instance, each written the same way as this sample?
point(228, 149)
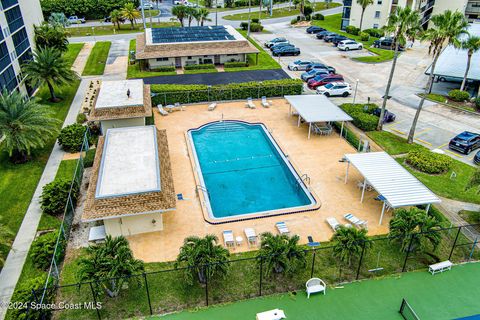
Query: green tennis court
point(449, 295)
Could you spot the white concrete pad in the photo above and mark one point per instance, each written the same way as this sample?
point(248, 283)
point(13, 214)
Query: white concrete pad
point(113, 94)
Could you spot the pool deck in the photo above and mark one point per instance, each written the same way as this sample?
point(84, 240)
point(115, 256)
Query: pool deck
point(317, 157)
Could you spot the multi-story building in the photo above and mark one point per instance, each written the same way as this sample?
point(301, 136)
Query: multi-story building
point(376, 15)
point(472, 11)
point(17, 20)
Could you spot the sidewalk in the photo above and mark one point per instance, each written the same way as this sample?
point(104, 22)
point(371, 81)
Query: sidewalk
point(82, 58)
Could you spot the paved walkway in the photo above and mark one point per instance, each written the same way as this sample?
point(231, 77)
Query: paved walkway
point(81, 61)
point(117, 61)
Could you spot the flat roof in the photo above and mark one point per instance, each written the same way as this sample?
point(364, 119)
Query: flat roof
point(113, 93)
point(317, 108)
point(129, 163)
point(398, 186)
point(159, 36)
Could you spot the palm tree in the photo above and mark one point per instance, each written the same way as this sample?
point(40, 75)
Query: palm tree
point(191, 14)
point(24, 125)
point(203, 257)
point(349, 243)
point(51, 36)
point(116, 17)
point(202, 16)
point(403, 24)
point(180, 12)
point(472, 45)
point(364, 4)
point(48, 67)
point(446, 28)
point(5, 235)
point(129, 12)
point(110, 264)
point(281, 253)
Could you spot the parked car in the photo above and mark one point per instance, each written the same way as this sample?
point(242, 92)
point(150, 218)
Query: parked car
point(75, 20)
point(329, 38)
point(299, 65)
point(286, 51)
point(387, 115)
point(323, 34)
point(315, 29)
point(323, 80)
point(318, 65)
point(313, 73)
point(465, 142)
point(272, 42)
point(191, 4)
point(146, 6)
point(386, 43)
point(335, 40)
point(335, 89)
point(349, 45)
point(281, 45)
point(476, 159)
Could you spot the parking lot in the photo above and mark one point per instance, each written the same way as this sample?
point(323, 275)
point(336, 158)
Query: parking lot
point(437, 124)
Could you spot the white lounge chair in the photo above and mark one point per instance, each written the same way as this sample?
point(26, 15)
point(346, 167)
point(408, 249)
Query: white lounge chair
point(178, 106)
point(250, 104)
point(315, 285)
point(355, 221)
point(333, 223)
point(162, 111)
point(212, 106)
point(228, 239)
point(282, 227)
point(251, 236)
point(265, 103)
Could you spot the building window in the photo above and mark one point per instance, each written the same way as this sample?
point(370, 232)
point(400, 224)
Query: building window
point(20, 41)
point(25, 57)
point(162, 59)
point(375, 26)
point(8, 79)
point(379, 2)
point(189, 58)
point(8, 3)
point(232, 55)
point(4, 56)
point(14, 19)
point(377, 14)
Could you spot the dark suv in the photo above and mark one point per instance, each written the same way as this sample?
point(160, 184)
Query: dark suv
point(387, 43)
point(317, 65)
point(329, 38)
point(465, 142)
point(323, 34)
point(286, 51)
point(314, 29)
point(476, 159)
point(387, 115)
point(337, 39)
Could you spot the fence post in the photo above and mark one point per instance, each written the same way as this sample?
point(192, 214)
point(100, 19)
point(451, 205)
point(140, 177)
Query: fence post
point(454, 243)
point(206, 285)
point(148, 293)
point(313, 263)
point(361, 260)
point(95, 301)
point(408, 252)
point(261, 277)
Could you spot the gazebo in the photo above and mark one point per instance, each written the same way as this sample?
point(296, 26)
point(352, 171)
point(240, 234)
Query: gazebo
point(316, 108)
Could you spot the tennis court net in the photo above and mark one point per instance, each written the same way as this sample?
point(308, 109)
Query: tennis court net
point(407, 311)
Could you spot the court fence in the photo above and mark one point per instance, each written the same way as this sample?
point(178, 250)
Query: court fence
point(407, 312)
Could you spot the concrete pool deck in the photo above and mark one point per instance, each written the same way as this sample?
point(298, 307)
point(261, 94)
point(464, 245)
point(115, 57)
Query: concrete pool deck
point(317, 157)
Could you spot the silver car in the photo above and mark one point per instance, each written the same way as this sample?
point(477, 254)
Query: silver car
point(299, 65)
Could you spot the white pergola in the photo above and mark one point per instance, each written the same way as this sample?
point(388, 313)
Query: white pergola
point(316, 108)
point(397, 186)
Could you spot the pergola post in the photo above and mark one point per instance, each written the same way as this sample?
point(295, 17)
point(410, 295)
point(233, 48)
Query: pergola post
point(298, 124)
point(363, 189)
point(289, 110)
point(309, 129)
point(341, 129)
point(428, 207)
point(383, 211)
point(346, 175)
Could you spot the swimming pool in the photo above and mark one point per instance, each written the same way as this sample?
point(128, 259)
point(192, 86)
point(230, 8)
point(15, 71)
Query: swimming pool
point(242, 171)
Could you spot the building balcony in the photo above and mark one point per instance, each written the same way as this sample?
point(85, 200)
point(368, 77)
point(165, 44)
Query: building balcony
point(427, 6)
point(4, 62)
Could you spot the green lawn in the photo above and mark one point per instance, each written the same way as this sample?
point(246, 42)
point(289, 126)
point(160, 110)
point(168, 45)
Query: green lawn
point(133, 70)
point(97, 59)
point(72, 53)
point(277, 13)
point(392, 143)
point(381, 55)
point(449, 103)
point(109, 29)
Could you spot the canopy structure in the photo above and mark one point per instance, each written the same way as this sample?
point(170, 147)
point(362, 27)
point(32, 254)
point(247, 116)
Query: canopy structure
point(316, 108)
point(396, 186)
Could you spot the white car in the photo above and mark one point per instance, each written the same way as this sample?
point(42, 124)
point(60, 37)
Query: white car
point(349, 45)
point(299, 65)
point(275, 41)
point(335, 89)
point(75, 20)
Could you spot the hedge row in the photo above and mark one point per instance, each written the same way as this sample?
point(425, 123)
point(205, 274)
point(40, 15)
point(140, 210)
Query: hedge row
point(362, 115)
point(164, 69)
point(227, 65)
point(90, 9)
point(199, 66)
point(171, 93)
point(429, 162)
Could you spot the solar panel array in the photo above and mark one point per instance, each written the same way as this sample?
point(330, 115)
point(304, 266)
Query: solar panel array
point(205, 33)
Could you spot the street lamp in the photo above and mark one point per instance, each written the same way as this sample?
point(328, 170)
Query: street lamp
point(249, 19)
point(216, 13)
point(143, 15)
point(355, 93)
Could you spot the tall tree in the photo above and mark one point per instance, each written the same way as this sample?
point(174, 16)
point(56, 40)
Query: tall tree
point(471, 45)
point(348, 243)
point(196, 253)
point(364, 4)
point(51, 36)
point(24, 125)
point(58, 18)
point(180, 12)
point(403, 24)
point(130, 13)
point(191, 14)
point(116, 18)
point(48, 67)
point(202, 16)
point(446, 28)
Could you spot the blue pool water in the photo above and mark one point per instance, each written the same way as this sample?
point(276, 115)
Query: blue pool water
point(243, 171)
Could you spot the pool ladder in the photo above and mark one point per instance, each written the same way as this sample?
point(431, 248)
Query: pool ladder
point(203, 189)
point(305, 178)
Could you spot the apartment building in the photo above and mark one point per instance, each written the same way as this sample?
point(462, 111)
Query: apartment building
point(17, 18)
point(376, 15)
point(472, 11)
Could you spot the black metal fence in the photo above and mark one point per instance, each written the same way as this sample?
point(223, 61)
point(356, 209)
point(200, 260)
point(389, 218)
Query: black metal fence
point(166, 290)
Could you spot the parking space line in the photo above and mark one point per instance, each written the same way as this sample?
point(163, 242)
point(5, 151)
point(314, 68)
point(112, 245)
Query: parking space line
point(453, 153)
point(423, 141)
point(443, 145)
point(395, 124)
point(423, 131)
point(399, 131)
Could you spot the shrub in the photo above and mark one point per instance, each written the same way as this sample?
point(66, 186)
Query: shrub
point(362, 115)
point(377, 33)
point(256, 27)
point(23, 297)
point(164, 68)
point(81, 118)
point(364, 36)
point(308, 17)
point(91, 9)
point(235, 64)
point(199, 66)
point(55, 194)
point(89, 157)
point(293, 21)
point(352, 30)
point(318, 16)
point(307, 10)
point(458, 95)
point(255, 20)
point(429, 162)
point(43, 248)
point(171, 93)
point(71, 137)
point(244, 25)
point(477, 103)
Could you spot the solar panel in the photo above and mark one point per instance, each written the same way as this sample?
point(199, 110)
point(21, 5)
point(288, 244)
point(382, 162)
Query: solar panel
point(198, 33)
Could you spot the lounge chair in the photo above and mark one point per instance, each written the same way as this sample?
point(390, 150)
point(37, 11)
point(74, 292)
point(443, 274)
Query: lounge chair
point(315, 285)
point(333, 223)
point(355, 221)
point(212, 106)
point(250, 104)
point(265, 103)
point(228, 239)
point(282, 227)
point(311, 242)
point(161, 110)
point(178, 106)
point(251, 236)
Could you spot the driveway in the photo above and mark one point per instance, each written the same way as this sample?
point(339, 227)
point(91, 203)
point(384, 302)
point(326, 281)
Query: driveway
point(220, 77)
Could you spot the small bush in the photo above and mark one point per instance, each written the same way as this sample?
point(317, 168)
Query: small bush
point(244, 25)
point(308, 17)
point(362, 115)
point(199, 66)
point(318, 16)
point(89, 157)
point(377, 33)
point(429, 162)
point(43, 248)
point(23, 297)
point(307, 11)
point(255, 20)
point(364, 36)
point(458, 95)
point(293, 21)
point(256, 27)
point(163, 69)
point(81, 118)
point(227, 65)
point(477, 103)
point(71, 137)
point(55, 194)
point(352, 30)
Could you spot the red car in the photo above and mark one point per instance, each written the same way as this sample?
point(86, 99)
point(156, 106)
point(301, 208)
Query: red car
point(321, 80)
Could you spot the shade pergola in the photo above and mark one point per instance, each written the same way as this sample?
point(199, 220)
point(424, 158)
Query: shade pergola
point(316, 108)
point(397, 186)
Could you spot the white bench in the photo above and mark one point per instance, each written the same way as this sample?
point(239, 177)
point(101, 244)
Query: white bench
point(275, 314)
point(440, 267)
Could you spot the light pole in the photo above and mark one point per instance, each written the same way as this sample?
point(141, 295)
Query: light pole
point(143, 15)
point(216, 13)
point(355, 93)
point(271, 8)
point(249, 19)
